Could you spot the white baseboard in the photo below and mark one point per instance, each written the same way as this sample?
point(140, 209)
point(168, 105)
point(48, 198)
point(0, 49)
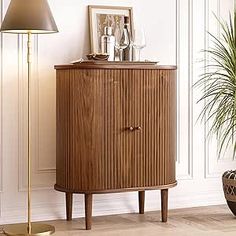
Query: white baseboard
point(112, 204)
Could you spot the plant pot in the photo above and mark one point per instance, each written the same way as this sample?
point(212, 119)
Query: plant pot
point(229, 186)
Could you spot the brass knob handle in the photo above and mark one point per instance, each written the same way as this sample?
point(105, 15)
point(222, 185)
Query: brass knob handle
point(131, 128)
point(139, 128)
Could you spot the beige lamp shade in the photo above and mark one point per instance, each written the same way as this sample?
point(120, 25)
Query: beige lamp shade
point(29, 16)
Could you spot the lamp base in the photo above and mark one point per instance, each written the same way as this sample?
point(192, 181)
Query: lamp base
point(21, 229)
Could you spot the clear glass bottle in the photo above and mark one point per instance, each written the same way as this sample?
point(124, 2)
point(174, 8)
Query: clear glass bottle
point(108, 43)
point(127, 52)
point(122, 42)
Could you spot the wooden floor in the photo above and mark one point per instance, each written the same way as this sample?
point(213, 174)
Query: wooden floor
point(203, 221)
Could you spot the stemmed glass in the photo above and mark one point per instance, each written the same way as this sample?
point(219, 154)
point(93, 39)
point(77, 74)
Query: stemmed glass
point(138, 42)
point(122, 42)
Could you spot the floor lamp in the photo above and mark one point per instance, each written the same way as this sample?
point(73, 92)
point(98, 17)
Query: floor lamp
point(29, 17)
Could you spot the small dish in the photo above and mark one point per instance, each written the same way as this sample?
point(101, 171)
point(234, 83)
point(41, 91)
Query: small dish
point(98, 56)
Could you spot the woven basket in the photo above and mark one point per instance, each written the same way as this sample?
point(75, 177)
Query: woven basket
point(229, 186)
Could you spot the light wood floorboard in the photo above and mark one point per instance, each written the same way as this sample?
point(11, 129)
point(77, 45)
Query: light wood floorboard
point(201, 221)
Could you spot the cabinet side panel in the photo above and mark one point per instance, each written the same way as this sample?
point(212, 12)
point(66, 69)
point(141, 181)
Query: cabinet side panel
point(173, 125)
point(168, 126)
point(63, 136)
point(167, 119)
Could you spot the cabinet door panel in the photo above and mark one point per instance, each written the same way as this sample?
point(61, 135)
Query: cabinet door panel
point(102, 103)
point(111, 164)
point(154, 145)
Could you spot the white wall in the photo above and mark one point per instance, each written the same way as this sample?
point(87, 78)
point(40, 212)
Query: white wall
point(197, 166)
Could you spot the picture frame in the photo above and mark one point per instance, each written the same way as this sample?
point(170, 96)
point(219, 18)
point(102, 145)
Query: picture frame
point(101, 16)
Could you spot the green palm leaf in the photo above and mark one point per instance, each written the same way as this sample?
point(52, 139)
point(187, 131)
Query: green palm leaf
point(218, 85)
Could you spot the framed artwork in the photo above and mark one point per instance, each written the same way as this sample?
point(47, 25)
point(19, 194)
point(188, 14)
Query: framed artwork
point(102, 16)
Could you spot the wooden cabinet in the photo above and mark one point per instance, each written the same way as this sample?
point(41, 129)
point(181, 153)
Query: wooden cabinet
point(116, 131)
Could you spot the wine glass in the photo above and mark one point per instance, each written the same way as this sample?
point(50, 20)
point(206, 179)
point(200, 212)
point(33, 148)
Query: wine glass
point(138, 42)
point(122, 42)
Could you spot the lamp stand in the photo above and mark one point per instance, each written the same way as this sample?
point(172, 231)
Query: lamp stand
point(29, 228)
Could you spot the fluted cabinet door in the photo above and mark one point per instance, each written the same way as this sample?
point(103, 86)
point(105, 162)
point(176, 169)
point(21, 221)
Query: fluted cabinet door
point(154, 143)
point(92, 143)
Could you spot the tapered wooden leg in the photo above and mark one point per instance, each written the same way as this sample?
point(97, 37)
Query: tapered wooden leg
point(69, 205)
point(141, 198)
point(164, 205)
point(88, 210)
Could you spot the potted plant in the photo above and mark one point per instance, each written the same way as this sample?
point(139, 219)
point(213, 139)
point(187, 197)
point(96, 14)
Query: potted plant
point(218, 84)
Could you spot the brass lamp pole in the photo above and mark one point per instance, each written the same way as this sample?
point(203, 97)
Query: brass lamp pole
point(29, 17)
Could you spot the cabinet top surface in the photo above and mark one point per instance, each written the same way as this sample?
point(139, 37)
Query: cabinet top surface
point(116, 65)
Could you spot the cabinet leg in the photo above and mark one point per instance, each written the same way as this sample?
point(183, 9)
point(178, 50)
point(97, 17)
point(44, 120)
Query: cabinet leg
point(88, 210)
point(69, 205)
point(164, 205)
point(141, 198)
